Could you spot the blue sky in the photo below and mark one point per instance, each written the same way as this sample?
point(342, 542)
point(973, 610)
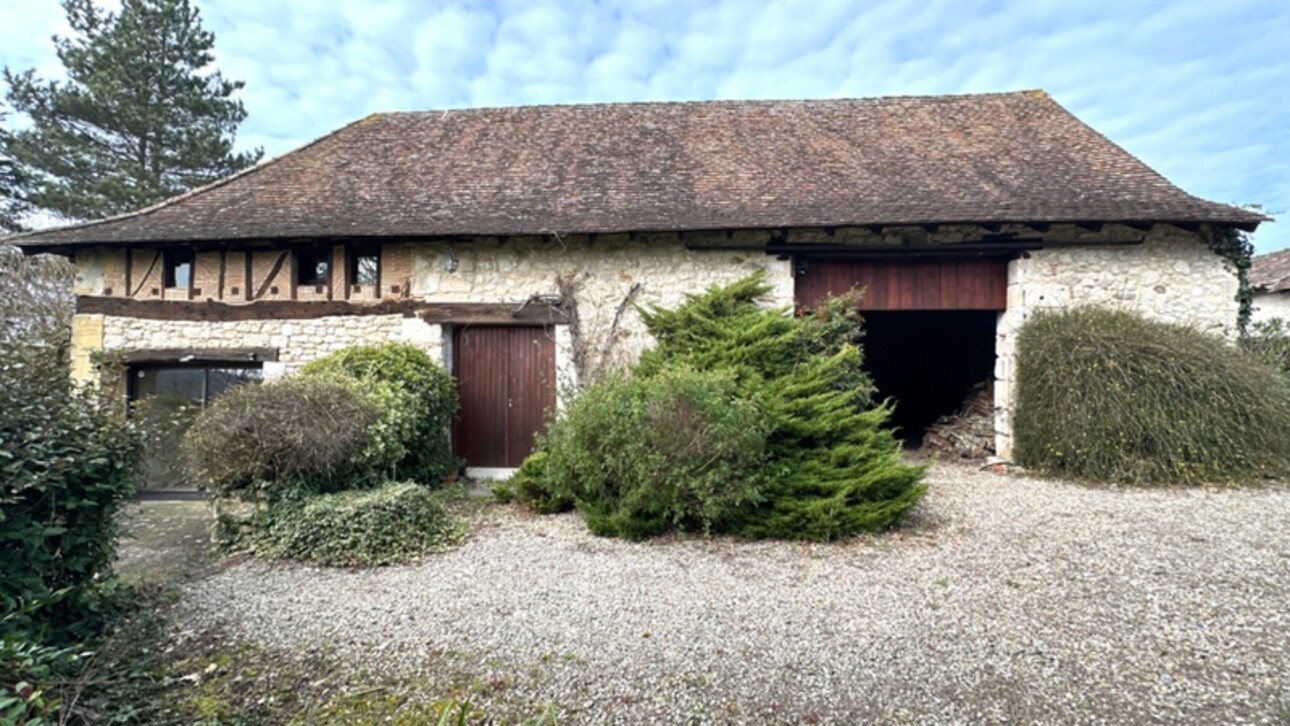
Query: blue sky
point(1199, 89)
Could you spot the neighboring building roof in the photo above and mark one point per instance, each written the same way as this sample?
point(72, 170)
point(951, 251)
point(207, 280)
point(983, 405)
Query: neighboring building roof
point(1271, 272)
point(1007, 157)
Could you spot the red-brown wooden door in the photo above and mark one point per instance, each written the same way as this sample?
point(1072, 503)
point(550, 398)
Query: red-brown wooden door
point(506, 383)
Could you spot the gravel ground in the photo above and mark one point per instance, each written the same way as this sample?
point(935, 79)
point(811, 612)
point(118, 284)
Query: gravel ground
point(1004, 599)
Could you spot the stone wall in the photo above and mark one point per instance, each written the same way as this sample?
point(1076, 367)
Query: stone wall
point(297, 341)
point(1271, 305)
point(1173, 276)
point(601, 274)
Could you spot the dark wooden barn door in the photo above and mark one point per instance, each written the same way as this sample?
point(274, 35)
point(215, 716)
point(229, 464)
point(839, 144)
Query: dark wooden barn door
point(896, 284)
point(506, 382)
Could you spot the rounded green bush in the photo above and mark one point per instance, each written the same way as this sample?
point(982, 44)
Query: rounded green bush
point(393, 523)
point(639, 456)
point(427, 452)
point(1110, 396)
point(259, 442)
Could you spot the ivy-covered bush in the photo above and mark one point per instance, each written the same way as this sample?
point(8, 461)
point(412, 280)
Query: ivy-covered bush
point(426, 450)
point(1110, 396)
point(257, 442)
point(782, 408)
point(393, 523)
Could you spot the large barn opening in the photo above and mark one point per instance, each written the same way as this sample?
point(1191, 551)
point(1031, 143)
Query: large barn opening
point(928, 361)
point(930, 328)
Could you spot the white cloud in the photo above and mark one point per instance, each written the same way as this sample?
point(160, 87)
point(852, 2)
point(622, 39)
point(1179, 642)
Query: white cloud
point(1196, 88)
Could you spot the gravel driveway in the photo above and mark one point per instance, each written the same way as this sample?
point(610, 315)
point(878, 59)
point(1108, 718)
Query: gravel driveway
point(1004, 599)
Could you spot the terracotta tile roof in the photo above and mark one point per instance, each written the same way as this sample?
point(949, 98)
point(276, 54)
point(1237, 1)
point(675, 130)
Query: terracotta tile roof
point(1271, 272)
point(676, 166)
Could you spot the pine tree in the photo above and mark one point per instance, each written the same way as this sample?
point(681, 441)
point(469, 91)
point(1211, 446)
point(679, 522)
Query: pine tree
point(12, 202)
point(139, 118)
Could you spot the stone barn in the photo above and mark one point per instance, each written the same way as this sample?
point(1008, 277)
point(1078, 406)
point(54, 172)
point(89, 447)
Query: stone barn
point(1270, 278)
point(515, 243)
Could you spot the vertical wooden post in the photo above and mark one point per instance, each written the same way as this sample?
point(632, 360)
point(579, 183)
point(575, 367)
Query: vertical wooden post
point(223, 264)
point(246, 256)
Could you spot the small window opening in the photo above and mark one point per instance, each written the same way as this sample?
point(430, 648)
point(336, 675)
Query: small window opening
point(313, 267)
point(178, 266)
point(365, 267)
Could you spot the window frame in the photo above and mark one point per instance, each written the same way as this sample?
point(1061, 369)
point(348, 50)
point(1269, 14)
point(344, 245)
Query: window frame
point(172, 259)
point(355, 254)
point(135, 370)
point(314, 255)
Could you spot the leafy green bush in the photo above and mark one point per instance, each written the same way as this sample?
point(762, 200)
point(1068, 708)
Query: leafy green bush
point(68, 463)
point(529, 484)
point(393, 523)
point(1110, 396)
point(781, 406)
point(427, 454)
point(258, 442)
point(639, 456)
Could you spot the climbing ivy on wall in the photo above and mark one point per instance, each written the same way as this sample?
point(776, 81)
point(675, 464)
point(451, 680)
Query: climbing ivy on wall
point(1235, 247)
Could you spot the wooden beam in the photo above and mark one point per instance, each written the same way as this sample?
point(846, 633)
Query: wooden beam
point(246, 287)
point(458, 313)
point(277, 267)
point(1140, 226)
point(1040, 227)
point(1090, 226)
point(200, 355)
point(192, 276)
point(223, 270)
point(129, 264)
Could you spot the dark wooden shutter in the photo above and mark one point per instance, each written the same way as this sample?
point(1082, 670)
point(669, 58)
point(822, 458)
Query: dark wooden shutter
point(895, 284)
point(506, 382)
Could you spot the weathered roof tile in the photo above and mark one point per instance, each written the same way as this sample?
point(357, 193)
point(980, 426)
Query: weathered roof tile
point(676, 166)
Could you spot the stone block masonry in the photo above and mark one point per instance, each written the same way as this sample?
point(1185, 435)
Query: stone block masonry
point(1172, 276)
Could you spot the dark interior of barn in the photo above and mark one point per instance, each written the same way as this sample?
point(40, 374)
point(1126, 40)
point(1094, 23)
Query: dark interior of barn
point(928, 362)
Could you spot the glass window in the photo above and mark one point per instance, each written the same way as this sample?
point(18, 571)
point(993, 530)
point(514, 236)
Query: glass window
point(219, 380)
point(193, 384)
point(178, 267)
point(365, 267)
point(313, 267)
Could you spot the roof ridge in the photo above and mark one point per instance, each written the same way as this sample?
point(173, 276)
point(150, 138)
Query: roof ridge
point(168, 201)
point(1036, 93)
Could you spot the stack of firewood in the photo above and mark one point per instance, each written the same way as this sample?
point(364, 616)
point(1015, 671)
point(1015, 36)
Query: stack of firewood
point(969, 433)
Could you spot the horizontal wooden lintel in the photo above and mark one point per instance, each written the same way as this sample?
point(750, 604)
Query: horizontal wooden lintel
point(200, 355)
point(538, 312)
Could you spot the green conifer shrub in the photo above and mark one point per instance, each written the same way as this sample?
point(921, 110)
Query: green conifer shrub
point(815, 461)
point(1110, 396)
